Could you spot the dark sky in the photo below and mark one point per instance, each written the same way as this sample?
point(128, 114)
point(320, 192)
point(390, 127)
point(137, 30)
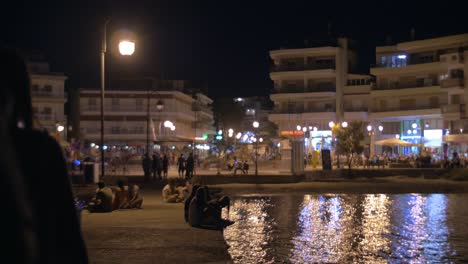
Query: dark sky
point(223, 43)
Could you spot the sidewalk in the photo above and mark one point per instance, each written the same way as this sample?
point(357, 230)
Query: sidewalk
point(155, 234)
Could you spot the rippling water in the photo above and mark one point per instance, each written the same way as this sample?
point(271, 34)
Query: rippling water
point(372, 228)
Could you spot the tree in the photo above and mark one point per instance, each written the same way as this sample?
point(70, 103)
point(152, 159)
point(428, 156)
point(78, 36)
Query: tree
point(349, 140)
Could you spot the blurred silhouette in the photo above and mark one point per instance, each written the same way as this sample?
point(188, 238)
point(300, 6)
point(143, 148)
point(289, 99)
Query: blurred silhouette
point(45, 187)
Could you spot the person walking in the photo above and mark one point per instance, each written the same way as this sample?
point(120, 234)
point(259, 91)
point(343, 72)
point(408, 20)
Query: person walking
point(165, 166)
point(189, 166)
point(181, 165)
point(156, 165)
point(146, 164)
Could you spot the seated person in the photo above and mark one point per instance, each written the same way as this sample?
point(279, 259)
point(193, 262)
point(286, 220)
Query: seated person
point(189, 199)
point(120, 196)
point(135, 200)
point(183, 188)
point(102, 202)
point(170, 193)
point(206, 213)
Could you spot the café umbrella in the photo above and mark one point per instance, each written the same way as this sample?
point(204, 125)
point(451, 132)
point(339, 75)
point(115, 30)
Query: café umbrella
point(393, 142)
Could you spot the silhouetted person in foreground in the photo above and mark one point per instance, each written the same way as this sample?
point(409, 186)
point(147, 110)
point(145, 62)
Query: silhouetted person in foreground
point(146, 164)
point(46, 185)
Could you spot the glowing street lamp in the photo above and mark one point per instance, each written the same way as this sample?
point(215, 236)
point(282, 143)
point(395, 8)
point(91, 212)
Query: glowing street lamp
point(126, 47)
point(380, 128)
point(331, 124)
point(60, 128)
point(239, 135)
point(344, 124)
point(369, 128)
point(298, 128)
point(255, 124)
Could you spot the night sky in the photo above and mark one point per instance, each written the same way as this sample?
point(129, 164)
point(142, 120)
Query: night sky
point(225, 44)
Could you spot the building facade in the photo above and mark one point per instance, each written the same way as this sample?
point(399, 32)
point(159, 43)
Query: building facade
point(313, 87)
point(420, 92)
point(416, 92)
point(126, 116)
point(48, 97)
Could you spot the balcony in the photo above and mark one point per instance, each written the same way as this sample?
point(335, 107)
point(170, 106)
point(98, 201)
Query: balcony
point(306, 67)
point(406, 85)
point(42, 93)
point(453, 111)
point(452, 83)
point(304, 110)
point(310, 89)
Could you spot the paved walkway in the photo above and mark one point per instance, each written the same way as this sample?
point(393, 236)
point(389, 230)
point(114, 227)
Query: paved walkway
point(155, 234)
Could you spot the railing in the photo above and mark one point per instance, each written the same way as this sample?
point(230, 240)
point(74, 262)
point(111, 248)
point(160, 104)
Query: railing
point(306, 67)
point(356, 109)
point(310, 89)
point(454, 82)
point(403, 108)
point(40, 93)
point(451, 108)
point(300, 111)
point(405, 85)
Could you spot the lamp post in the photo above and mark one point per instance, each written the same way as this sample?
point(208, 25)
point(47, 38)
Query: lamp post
point(126, 48)
point(255, 125)
point(159, 108)
point(370, 130)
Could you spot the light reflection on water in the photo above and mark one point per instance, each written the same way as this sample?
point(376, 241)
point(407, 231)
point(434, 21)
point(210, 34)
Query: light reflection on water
point(372, 228)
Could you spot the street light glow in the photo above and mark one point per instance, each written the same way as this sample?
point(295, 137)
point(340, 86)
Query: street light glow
point(331, 124)
point(344, 124)
point(397, 136)
point(315, 129)
point(298, 128)
point(60, 128)
point(304, 129)
point(414, 125)
point(369, 128)
point(255, 124)
point(126, 47)
point(173, 128)
point(239, 135)
point(260, 139)
point(168, 123)
point(380, 128)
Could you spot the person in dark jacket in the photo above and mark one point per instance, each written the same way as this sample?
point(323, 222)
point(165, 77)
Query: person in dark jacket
point(181, 165)
point(45, 178)
point(165, 166)
point(190, 163)
point(156, 167)
point(146, 164)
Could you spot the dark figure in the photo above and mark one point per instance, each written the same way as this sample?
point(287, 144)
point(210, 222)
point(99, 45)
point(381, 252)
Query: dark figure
point(205, 211)
point(55, 230)
point(156, 167)
point(245, 167)
point(188, 200)
point(165, 166)
point(237, 166)
point(146, 163)
point(189, 166)
point(181, 165)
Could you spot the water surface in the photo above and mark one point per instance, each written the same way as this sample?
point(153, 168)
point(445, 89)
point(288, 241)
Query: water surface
point(342, 228)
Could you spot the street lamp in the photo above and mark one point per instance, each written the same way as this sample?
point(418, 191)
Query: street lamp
point(255, 124)
point(344, 124)
point(126, 48)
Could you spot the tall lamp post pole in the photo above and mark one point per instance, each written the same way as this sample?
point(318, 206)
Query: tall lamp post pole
point(148, 124)
point(255, 124)
point(103, 62)
point(126, 48)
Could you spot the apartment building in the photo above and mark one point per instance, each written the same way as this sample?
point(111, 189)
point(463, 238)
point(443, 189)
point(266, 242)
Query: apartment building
point(420, 93)
point(314, 85)
point(48, 96)
point(126, 113)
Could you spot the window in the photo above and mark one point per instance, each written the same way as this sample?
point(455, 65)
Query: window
point(408, 103)
point(92, 101)
point(434, 102)
point(383, 105)
point(328, 108)
point(139, 104)
point(47, 110)
point(455, 98)
point(115, 101)
point(115, 130)
point(35, 87)
point(48, 88)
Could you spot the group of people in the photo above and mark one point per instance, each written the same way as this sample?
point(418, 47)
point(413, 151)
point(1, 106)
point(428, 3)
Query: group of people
point(109, 199)
point(239, 166)
point(39, 215)
point(156, 167)
point(201, 209)
point(186, 166)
